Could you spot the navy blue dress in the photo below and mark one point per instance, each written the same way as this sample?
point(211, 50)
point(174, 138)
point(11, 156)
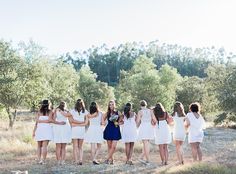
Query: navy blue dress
point(111, 131)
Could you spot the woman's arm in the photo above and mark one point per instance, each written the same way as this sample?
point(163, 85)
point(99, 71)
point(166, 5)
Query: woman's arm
point(104, 117)
point(138, 118)
point(92, 115)
point(169, 119)
point(154, 120)
point(54, 116)
point(186, 122)
point(35, 126)
point(65, 114)
point(121, 119)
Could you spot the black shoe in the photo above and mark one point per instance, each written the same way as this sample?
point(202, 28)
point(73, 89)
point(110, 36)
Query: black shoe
point(95, 163)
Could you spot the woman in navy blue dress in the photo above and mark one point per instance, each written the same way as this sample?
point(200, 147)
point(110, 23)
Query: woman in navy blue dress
point(112, 131)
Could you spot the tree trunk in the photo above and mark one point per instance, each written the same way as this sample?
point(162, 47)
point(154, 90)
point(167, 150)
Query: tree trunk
point(12, 117)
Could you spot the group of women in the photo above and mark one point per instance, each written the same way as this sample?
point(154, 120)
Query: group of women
point(78, 125)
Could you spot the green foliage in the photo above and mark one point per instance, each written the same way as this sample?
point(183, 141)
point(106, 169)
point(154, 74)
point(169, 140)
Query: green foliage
point(14, 77)
point(151, 72)
point(91, 90)
point(144, 82)
point(63, 81)
point(194, 89)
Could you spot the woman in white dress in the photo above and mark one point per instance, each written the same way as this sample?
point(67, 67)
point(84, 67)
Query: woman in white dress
point(196, 123)
point(61, 132)
point(43, 130)
point(129, 132)
point(179, 132)
point(94, 134)
point(146, 130)
point(163, 134)
point(78, 122)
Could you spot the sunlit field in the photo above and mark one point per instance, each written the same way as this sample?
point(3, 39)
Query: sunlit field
point(18, 153)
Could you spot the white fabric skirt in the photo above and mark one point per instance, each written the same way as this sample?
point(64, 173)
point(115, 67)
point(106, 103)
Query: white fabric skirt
point(61, 133)
point(94, 134)
point(44, 132)
point(78, 132)
point(163, 134)
point(146, 131)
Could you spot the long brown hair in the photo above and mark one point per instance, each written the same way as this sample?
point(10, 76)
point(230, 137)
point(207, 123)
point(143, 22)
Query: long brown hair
point(79, 105)
point(45, 107)
point(127, 109)
point(62, 105)
point(159, 111)
point(109, 109)
point(179, 109)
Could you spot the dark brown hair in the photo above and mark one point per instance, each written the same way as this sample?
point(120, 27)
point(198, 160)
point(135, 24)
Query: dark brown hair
point(45, 107)
point(79, 105)
point(93, 108)
point(195, 107)
point(127, 110)
point(159, 111)
point(143, 103)
point(62, 105)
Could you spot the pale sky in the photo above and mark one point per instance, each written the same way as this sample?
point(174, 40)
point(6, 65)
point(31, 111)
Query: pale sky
point(67, 25)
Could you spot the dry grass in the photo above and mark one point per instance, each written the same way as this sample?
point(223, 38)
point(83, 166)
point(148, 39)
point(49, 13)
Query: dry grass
point(18, 150)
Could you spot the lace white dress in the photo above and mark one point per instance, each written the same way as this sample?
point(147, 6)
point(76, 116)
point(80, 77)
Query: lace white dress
point(146, 130)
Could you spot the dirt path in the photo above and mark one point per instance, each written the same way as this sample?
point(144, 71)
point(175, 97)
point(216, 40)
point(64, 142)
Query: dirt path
point(219, 147)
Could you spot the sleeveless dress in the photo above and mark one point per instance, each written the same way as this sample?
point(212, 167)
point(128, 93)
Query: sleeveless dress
point(111, 131)
point(44, 130)
point(129, 131)
point(61, 133)
point(163, 133)
point(78, 132)
point(196, 127)
point(146, 130)
point(94, 133)
point(179, 132)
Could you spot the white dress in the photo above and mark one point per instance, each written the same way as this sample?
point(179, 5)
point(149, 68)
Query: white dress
point(61, 133)
point(146, 131)
point(163, 133)
point(196, 128)
point(44, 130)
point(129, 130)
point(179, 132)
point(94, 133)
point(78, 132)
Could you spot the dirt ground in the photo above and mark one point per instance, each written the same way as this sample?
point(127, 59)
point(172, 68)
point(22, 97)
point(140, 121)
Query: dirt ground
point(219, 147)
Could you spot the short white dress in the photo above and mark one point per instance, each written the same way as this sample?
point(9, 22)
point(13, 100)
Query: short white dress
point(179, 132)
point(163, 133)
point(78, 132)
point(44, 130)
point(94, 133)
point(129, 131)
point(196, 127)
point(146, 130)
point(61, 133)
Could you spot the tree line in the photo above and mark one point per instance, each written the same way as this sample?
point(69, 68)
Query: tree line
point(129, 72)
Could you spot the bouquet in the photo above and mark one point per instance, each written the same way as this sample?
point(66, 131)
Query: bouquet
point(114, 119)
